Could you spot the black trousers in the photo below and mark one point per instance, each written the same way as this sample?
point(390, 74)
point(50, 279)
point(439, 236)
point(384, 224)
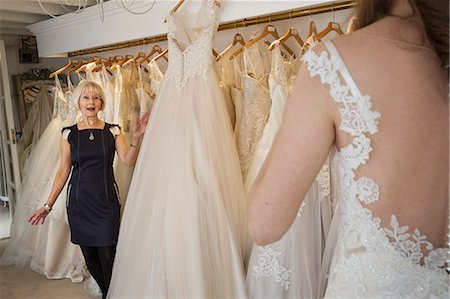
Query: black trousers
point(99, 261)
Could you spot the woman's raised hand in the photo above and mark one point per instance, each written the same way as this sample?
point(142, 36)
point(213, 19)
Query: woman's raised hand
point(139, 125)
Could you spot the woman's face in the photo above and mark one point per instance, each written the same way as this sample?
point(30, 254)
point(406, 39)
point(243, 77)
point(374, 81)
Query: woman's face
point(90, 102)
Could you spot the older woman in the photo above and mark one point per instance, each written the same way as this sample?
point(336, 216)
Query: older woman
point(92, 201)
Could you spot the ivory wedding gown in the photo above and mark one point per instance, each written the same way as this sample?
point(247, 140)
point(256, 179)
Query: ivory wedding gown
point(181, 230)
point(365, 258)
point(290, 267)
point(46, 248)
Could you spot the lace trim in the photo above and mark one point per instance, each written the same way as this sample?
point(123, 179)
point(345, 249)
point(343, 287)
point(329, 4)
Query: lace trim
point(195, 59)
point(357, 118)
point(323, 178)
point(300, 210)
point(267, 266)
point(412, 249)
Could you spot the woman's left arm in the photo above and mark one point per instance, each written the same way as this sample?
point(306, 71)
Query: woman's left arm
point(128, 155)
point(298, 152)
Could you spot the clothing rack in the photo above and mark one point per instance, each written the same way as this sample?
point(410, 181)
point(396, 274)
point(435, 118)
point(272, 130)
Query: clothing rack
point(228, 25)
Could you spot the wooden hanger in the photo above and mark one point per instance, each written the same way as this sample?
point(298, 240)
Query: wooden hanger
point(161, 55)
point(137, 56)
point(332, 26)
point(75, 67)
point(269, 29)
point(108, 62)
point(290, 33)
point(59, 71)
point(82, 67)
point(312, 30)
point(351, 25)
point(121, 62)
point(155, 49)
point(237, 38)
point(173, 10)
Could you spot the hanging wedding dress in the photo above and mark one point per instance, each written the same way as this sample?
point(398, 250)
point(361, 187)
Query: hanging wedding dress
point(367, 259)
point(225, 72)
point(144, 94)
point(252, 111)
point(46, 248)
point(290, 267)
point(180, 232)
point(39, 116)
point(256, 105)
point(126, 108)
point(155, 77)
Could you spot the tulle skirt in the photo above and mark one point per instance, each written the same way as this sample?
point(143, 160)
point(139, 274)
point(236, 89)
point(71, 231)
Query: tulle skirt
point(180, 234)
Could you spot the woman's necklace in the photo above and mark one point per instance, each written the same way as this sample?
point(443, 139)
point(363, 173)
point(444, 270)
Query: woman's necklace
point(91, 131)
point(91, 135)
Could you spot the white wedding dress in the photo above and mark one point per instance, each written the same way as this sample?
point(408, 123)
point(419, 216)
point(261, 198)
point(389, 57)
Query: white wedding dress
point(39, 116)
point(46, 248)
point(290, 267)
point(180, 234)
point(363, 259)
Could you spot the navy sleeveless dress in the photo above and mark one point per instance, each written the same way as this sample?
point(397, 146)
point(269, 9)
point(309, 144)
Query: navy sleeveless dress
point(93, 206)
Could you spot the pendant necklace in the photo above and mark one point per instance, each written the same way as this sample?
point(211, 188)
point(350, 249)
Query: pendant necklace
point(91, 135)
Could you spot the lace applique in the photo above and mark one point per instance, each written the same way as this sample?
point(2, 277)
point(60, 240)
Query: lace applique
point(300, 210)
point(412, 249)
point(196, 58)
point(323, 178)
point(357, 116)
point(368, 257)
point(368, 191)
point(267, 266)
point(358, 152)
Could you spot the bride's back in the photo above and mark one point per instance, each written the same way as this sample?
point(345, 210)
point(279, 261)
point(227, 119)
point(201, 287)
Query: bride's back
point(410, 157)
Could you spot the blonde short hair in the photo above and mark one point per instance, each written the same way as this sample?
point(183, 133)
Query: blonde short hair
point(82, 87)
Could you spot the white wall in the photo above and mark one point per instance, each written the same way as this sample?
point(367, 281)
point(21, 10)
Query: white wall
point(223, 38)
point(17, 68)
point(71, 32)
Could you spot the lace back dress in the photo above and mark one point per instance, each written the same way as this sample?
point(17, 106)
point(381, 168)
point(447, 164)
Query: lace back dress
point(367, 259)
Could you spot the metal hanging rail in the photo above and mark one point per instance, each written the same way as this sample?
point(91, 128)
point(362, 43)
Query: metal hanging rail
point(229, 25)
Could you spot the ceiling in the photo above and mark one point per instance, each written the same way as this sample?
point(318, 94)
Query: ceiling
point(15, 15)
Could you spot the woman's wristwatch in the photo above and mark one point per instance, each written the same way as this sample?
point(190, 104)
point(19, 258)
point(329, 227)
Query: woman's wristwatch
point(47, 208)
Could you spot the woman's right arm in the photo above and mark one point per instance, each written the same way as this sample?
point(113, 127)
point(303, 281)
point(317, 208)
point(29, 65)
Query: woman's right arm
point(58, 184)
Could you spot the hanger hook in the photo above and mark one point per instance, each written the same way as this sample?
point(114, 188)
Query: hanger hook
point(310, 13)
point(290, 15)
point(270, 18)
point(332, 9)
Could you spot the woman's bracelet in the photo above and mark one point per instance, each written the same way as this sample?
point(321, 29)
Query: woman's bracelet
point(47, 208)
point(135, 146)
